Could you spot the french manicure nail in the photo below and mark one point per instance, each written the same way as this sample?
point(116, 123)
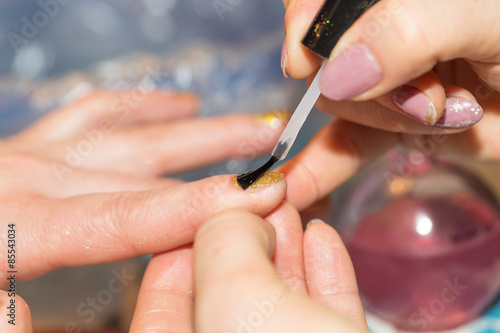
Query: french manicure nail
point(268, 178)
point(284, 59)
point(273, 119)
point(460, 112)
point(414, 103)
point(314, 221)
point(351, 73)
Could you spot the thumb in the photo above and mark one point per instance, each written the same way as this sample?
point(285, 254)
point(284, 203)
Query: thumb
point(232, 264)
point(16, 315)
point(297, 60)
point(399, 40)
point(238, 289)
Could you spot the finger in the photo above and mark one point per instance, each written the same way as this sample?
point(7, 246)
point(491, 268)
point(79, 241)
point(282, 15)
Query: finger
point(330, 274)
point(232, 265)
point(165, 302)
point(378, 114)
point(55, 180)
point(288, 258)
point(231, 249)
point(422, 99)
point(19, 318)
point(300, 61)
point(334, 155)
point(175, 147)
point(478, 143)
point(397, 41)
point(461, 109)
point(99, 228)
point(106, 110)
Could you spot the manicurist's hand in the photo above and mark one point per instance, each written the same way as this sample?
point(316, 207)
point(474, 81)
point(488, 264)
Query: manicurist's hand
point(253, 275)
point(84, 184)
point(406, 66)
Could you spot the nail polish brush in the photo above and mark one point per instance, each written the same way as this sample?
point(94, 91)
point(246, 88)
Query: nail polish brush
point(333, 19)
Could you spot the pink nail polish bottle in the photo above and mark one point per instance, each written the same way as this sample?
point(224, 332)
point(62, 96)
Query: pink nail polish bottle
point(424, 238)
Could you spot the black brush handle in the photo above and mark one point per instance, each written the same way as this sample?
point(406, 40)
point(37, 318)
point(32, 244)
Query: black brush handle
point(334, 18)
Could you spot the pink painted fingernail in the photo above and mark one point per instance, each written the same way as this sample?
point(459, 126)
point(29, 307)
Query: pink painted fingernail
point(284, 59)
point(415, 104)
point(460, 112)
point(353, 72)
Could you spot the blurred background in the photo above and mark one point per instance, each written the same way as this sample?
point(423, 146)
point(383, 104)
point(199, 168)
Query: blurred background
point(227, 51)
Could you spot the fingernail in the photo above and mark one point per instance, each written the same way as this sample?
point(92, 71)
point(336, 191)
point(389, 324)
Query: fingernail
point(460, 112)
point(273, 119)
point(414, 103)
point(284, 59)
point(268, 178)
point(314, 221)
point(353, 72)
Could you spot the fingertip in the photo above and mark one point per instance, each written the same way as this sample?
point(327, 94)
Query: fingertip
point(17, 314)
point(301, 62)
point(319, 228)
point(422, 99)
point(230, 240)
point(313, 221)
point(330, 273)
point(263, 195)
point(223, 192)
point(284, 212)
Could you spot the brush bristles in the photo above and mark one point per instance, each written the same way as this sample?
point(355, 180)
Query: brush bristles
point(246, 179)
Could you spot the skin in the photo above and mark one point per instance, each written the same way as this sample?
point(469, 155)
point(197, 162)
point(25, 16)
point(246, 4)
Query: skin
point(416, 46)
point(238, 259)
point(124, 195)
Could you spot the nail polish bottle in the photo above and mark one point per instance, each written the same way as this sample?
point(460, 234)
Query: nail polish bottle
point(424, 237)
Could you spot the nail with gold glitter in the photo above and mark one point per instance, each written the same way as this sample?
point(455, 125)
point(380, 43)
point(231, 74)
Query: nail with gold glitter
point(273, 119)
point(268, 178)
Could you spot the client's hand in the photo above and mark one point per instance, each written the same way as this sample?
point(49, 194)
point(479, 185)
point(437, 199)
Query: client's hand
point(236, 288)
point(82, 185)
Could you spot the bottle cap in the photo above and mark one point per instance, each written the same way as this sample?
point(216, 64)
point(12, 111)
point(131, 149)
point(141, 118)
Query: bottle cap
point(334, 18)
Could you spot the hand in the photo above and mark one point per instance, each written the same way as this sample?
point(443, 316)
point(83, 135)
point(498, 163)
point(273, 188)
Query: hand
point(83, 184)
point(341, 149)
point(408, 60)
point(236, 288)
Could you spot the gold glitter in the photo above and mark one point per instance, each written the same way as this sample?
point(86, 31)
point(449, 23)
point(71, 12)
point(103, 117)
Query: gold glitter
point(318, 27)
point(400, 186)
point(87, 247)
point(140, 243)
point(268, 178)
point(273, 119)
point(67, 232)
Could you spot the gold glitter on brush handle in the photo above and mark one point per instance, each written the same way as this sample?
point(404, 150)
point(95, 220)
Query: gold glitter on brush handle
point(268, 178)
